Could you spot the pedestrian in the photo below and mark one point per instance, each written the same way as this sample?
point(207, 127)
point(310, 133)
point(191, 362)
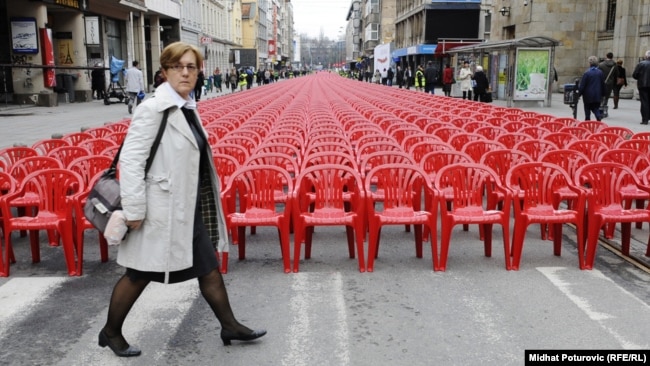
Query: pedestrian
point(377, 77)
point(218, 79)
point(642, 76)
point(98, 81)
point(164, 244)
point(465, 78)
point(267, 76)
point(198, 87)
point(419, 79)
point(431, 78)
point(591, 89)
point(134, 85)
point(242, 80)
point(158, 78)
point(621, 82)
point(234, 79)
point(384, 77)
point(400, 77)
point(447, 80)
point(391, 75)
point(408, 77)
point(482, 85)
point(609, 69)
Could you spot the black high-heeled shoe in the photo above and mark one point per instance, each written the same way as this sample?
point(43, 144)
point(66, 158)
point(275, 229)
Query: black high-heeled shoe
point(130, 351)
point(227, 336)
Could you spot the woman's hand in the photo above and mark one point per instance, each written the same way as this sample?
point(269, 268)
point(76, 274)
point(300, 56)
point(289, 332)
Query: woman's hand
point(134, 225)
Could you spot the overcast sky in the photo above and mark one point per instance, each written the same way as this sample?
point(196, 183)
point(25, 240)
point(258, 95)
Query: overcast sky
point(312, 16)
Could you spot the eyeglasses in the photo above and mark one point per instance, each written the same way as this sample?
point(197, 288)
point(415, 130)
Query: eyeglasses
point(179, 68)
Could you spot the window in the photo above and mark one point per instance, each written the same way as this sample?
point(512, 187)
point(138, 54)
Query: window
point(372, 6)
point(611, 15)
point(372, 32)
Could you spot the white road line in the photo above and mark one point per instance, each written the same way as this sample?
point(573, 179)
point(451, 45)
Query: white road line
point(19, 296)
point(316, 295)
point(611, 318)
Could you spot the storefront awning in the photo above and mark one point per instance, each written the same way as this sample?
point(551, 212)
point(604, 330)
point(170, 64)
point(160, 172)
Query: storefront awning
point(530, 42)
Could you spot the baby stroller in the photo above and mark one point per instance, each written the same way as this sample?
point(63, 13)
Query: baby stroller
point(115, 92)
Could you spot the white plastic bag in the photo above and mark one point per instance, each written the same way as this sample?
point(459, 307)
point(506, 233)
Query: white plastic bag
point(116, 228)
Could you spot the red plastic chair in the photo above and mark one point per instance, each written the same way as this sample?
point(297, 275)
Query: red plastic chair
point(570, 161)
point(535, 132)
point(7, 185)
point(75, 138)
point(55, 188)
point(603, 182)
point(624, 132)
point(96, 146)
point(333, 146)
point(10, 155)
point(501, 161)
point(329, 157)
point(338, 201)
point(66, 154)
point(111, 151)
point(552, 126)
point(515, 126)
point(476, 149)
point(611, 140)
point(240, 153)
point(561, 139)
point(491, 132)
point(511, 139)
point(638, 162)
point(593, 126)
point(445, 133)
point(467, 182)
point(118, 137)
point(534, 187)
point(459, 140)
point(641, 145)
point(640, 136)
point(591, 148)
point(402, 186)
point(535, 148)
point(99, 132)
point(257, 187)
point(44, 146)
point(580, 133)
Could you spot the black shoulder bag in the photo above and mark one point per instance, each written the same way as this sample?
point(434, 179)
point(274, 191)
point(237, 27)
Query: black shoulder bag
point(104, 197)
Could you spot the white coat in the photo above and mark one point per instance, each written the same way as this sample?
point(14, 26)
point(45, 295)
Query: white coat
point(465, 79)
point(166, 199)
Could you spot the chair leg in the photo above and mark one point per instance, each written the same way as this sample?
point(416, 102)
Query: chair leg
point(241, 232)
point(35, 246)
point(557, 238)
point(626, 233)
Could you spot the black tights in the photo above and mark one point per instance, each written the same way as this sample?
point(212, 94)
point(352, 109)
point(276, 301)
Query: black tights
point(126, 292)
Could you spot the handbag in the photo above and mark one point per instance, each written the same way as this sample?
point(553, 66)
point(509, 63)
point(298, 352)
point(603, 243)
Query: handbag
point(104, 198)
point(620, 81)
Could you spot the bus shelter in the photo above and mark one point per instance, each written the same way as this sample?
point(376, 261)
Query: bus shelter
point(520, 70)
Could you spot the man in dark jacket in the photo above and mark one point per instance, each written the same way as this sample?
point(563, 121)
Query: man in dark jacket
point(482, 85)
point(642, 75)
point(431, 77)
point(591, 88)
point(400, 77)
point(610, 71)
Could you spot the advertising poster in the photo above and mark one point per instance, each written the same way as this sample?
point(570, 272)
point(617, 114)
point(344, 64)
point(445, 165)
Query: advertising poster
point(48, 57)
point(531, 73)
point(382, 57)
point(23, 35)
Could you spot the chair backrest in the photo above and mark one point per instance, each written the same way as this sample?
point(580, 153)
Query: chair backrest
point(225, 165)
point(552, 126)
point(401, 184)
point(89, 166)
point(117, 136)
point(538, 182)
point(382, 158)
point(10, 155)
point(26, 166)
point(446, 132)
point(510, 139)
point(259, 184)
point(332, 146)
point(330, 157)
point(459, 140)
point(502, 160)
point(95, 146)
point(46, 145)
point(272, 158)
point(515, 126)
point(432, 162)
point(580, 132)
point(634, 159)
point(99, 132)
point(561, 139)
point(534, 147)
point(593, 126)
point(569, 160)
point(239, 152)
point(491, 132)
point(535, 132)
point(75, 138)
point(66, 154)
point(608, 138)
point(476, 149)
point(329, 183)
point(591, 148)
point(467, 182)
point(53, 187)
point(604, 181)
point(624, 132)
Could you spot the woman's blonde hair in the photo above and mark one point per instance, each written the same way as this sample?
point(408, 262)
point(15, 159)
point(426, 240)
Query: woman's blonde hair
point(172, 54)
